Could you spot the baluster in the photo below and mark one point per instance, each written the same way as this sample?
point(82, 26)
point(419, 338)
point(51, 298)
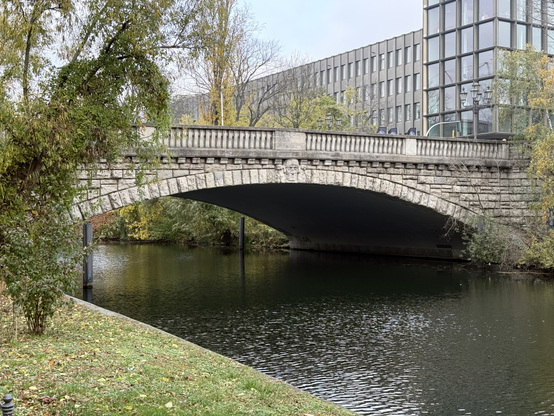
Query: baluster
point(193, 138)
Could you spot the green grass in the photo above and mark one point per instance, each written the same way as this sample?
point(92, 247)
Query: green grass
point(92, 364)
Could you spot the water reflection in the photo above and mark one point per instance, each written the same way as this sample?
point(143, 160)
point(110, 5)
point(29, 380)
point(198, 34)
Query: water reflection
point(378, 336)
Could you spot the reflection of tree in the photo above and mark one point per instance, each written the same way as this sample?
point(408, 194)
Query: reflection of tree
point(433, 101)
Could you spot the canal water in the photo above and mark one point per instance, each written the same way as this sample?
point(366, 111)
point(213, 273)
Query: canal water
point(379, 336)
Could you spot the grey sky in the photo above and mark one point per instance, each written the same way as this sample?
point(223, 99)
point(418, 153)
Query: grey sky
point(321, 28)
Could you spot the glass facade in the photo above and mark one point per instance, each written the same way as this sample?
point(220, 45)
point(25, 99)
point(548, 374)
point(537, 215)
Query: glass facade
point(463, 39)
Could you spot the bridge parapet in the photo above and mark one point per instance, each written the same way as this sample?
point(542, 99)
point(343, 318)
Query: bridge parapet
point(414, 148)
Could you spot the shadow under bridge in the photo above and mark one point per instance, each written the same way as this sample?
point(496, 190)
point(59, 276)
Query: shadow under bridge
point(332, 218)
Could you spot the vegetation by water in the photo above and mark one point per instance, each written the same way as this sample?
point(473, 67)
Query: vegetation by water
point(92, 364)
point(527, 75)
point(184, 221)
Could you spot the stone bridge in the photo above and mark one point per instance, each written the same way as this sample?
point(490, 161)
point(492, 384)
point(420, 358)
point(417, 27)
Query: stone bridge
point(329, 191)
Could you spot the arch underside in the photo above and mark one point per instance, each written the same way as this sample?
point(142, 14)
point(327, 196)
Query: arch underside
point(343, 219)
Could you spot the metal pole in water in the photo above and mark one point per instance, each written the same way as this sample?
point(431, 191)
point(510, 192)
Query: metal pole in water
point(241, 234)
point(87, 262)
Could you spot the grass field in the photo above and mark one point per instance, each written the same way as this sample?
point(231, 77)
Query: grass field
point(89, 363)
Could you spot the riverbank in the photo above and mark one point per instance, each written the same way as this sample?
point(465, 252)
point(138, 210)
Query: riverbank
point(91, 363)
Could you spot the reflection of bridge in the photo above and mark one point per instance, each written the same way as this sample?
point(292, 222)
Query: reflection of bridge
point(385, 194)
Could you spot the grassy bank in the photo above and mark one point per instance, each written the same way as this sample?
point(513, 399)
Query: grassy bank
point(93, 364)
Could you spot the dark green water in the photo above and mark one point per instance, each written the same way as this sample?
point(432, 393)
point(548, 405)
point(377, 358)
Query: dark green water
point(379, 336)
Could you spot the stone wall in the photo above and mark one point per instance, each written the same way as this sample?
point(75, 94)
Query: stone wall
point(455, 190)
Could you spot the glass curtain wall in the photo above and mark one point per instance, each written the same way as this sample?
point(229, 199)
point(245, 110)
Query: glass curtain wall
point(462, 39)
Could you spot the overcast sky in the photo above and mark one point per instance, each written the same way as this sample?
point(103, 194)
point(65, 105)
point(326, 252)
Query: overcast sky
point(322, 28)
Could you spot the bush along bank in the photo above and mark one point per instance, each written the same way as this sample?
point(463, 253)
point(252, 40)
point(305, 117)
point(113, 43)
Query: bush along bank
point(178, 220)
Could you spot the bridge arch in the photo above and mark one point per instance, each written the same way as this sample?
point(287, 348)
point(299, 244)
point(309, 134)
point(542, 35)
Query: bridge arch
point(345, 206)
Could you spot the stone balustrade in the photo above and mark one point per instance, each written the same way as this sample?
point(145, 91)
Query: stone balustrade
point(321, 143)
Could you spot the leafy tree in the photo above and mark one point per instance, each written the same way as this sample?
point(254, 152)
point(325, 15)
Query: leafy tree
point(190, 222)
point(75, 79)
point(525, 94)
point(231, 57)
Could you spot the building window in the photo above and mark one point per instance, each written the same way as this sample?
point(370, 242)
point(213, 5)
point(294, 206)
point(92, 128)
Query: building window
point(417, 111)
point(329, 79)
point(466, 40)
point(373, 64)
point(316, 76)
point(505, 8)
point(343, 71)
point(382, 112)
point(382, 89)
point(433, 49)
point(537, 38)
point(466, 67)
point(398, 57)
point(342, 95)
point(450, 71)
point(366, 93)
point(322, 78)
point(433, 21)
point(350, 70)
point(373, 90)
point(408, 112)
point(407, 54)
point(407, 83)
point(374, 117)
point(336, 70)
point(485, 64)
point(433, 79)
point(449, 44)
point(417, 81)
point(381, 61)
point(336, 97)
point(366, 66)
point(358, 68)
point(449, 99)
point(433, 101)
point(485, 35)
point(521, 36)
point(450, 15)
point(391, 115)
point(399, 114)
point(390, 59)
point(389, 87)
point(550, 41)
point(485, 9)
point(399, 85)
point(521, 10)
point(505, 34)
point(431, 121)
point(417, 52)
point(467, 12)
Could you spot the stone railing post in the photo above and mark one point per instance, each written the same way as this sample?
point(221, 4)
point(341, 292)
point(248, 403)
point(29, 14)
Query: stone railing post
point(290, 140)
point(411, 146)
